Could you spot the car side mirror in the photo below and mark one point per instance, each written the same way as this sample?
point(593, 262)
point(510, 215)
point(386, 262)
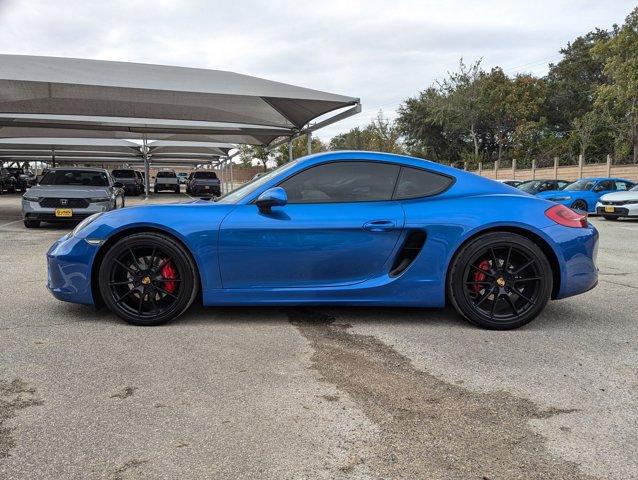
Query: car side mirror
point(273, 197)
point(118, 185)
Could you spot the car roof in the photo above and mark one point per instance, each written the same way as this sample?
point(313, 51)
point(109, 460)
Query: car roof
point(81, 169)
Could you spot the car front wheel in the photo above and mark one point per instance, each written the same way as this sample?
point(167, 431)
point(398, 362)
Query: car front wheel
point(610, 217)
point(148, 279)
point(500, 281)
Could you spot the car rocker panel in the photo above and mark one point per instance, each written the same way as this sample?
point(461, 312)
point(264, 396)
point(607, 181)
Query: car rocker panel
point(497, 254)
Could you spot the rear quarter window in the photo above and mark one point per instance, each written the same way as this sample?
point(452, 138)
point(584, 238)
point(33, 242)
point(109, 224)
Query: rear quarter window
point(415, 183)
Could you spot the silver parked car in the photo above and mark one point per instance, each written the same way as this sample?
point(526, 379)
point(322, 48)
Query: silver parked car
point(71, 194)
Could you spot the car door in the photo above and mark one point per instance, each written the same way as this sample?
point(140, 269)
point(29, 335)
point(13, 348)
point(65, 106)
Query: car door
point(339, 227)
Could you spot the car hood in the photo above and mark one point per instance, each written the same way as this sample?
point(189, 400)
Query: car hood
point(68, 191)
point(618, 196)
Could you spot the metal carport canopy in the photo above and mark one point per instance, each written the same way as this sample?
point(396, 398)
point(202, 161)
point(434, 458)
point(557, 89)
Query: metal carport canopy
point(71, 86)
point(39, 95)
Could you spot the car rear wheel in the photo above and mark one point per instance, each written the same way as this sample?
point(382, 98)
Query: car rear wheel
point(177, 189)
point(147, 279)
point(610, 217)
point(500, 281)
point(580, 205)
point(32, 223)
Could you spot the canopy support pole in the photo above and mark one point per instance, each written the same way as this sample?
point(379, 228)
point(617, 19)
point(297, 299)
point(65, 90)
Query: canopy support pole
point(147, 180)
point(309, 140)
point(53, 157)
point(232, 180)
point(290, 159)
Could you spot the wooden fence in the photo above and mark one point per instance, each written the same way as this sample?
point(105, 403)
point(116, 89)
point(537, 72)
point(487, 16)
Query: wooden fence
point(563, 172)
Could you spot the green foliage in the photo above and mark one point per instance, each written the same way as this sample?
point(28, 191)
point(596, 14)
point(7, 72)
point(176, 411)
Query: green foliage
point(587, 104)
point(381, 135)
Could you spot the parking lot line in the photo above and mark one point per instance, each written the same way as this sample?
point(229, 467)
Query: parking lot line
point(10, 223)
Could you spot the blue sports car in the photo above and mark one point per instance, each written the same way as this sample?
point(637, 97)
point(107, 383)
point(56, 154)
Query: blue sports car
point(341, 228)
point(584, 194)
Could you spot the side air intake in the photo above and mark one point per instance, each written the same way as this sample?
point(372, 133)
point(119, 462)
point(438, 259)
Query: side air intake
point(412, 245)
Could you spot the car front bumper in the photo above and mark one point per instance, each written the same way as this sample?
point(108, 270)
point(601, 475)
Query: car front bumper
point(69, 262)
point(33, 211)
point(627, 210)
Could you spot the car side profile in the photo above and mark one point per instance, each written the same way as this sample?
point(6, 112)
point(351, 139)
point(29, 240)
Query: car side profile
point(70, 195)
point(583, 194)
point(338, 228)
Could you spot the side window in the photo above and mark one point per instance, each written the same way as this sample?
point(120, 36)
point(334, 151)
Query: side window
point(342, 182)
point(622, 186)
point(605, 185)
point(414, 183)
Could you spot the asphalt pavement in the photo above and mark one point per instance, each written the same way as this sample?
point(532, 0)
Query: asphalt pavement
point(328, 393)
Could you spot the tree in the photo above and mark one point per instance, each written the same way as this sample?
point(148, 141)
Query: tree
point(249, 153)
point(618, 96)
point(299, 149)
point(380, 135)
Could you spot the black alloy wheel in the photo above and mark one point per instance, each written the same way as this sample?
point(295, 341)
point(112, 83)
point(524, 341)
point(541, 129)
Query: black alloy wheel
point(148, 279)
point(580, 205)
point(500, 281)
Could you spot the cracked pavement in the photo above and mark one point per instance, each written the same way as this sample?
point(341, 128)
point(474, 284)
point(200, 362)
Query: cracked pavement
point(341, 393)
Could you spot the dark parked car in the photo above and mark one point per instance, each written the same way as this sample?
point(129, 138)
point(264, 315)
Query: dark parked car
point(537, 186)
point(21, 178)
point(131, 180)
point(203, 183)
point(7, 182)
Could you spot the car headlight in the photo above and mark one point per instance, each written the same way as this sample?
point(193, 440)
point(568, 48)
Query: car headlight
point(99, 199)
point(84, 223)
point(30, 198)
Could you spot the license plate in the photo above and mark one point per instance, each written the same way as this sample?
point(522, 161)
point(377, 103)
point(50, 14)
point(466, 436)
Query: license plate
point(63, 212)
point(609, 209)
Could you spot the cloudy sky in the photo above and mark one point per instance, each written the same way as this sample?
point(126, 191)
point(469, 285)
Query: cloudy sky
point(380, 51)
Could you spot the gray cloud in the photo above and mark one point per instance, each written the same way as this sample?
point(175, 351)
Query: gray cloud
point(380, 51)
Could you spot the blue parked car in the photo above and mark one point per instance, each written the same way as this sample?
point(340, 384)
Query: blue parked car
point(584, 194)
point(340, 228)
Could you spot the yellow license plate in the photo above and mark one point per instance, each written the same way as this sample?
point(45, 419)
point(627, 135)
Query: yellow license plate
point(609, 209)
point(63, 212)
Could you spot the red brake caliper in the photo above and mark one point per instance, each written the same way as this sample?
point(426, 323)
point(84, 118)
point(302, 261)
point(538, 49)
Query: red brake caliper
point(169, 272)
point(480, 277)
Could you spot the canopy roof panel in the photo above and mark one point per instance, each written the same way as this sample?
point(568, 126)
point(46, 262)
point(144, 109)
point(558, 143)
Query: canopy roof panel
point(37, 126)
point(71, 86)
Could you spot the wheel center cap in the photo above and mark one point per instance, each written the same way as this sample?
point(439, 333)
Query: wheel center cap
point(500, 281)
point(146, 280)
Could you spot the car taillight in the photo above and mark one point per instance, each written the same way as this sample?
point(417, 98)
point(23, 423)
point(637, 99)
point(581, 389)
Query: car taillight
point(566, 216)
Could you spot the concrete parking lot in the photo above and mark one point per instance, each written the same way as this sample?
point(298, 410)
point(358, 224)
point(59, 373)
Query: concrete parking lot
point(285, 393)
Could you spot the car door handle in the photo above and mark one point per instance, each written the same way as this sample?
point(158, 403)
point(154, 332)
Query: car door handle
point(379, 225)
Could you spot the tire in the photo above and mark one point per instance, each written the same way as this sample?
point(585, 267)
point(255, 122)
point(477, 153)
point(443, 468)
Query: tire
point(579, 205)
point(155, 190)
point(32, 223)
point(123, 202)
point(610, 217)
point(502, 297)
point(142, 258)
point(177, 189)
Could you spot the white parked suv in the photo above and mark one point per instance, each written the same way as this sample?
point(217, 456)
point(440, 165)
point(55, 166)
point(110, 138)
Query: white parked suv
point(615, 205)
point(166, 180)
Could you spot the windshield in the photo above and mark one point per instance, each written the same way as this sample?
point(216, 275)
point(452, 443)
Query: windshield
point(208, 175)
point(255, 183)
point(583, 184)
point(123, 173)
point(531, 186)
point(76, 177)
point(635, 189)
